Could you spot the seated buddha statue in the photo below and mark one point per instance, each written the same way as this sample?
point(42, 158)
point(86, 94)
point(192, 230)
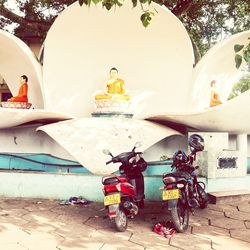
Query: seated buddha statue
point(214, 96)
point(23, 91)
point(115, 88)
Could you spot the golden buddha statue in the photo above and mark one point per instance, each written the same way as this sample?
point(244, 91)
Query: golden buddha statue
point(115, 88)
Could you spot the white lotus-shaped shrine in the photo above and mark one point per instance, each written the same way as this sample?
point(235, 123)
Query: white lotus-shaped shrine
point(156, 64)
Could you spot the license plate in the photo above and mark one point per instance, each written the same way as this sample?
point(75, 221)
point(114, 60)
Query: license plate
point(170, 194)
point(112, 199)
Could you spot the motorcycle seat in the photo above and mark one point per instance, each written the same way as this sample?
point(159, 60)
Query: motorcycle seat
point(109, 180)
point(112, 180)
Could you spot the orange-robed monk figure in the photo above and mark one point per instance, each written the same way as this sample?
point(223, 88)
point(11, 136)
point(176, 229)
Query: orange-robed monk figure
point(214, 96)
point(23, 91)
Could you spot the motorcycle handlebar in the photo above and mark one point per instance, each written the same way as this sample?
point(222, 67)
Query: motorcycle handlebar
point(114, 159)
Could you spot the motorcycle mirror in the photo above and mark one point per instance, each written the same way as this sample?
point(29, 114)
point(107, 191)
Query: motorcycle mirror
point(138, 144)
point(106, 152)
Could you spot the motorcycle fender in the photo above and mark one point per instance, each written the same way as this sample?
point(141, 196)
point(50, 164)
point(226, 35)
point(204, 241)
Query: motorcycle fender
point(113, 210)
point(172, 204)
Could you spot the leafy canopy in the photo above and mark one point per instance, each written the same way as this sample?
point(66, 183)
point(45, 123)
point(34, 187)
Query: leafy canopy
point(207, 21)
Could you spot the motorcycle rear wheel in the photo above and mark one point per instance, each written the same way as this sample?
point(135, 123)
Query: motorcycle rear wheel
point(180, 217)
point(121, 221)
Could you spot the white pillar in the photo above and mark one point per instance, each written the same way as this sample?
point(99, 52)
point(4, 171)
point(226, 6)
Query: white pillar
point(241, 142)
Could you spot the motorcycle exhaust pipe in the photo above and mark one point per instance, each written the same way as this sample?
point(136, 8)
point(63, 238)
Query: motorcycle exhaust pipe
point(131, 207)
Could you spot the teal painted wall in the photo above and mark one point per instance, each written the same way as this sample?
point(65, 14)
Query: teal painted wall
point(46, 176)
point(65, 185)
point(50, 163)
point(40, 162)
point(48, 185)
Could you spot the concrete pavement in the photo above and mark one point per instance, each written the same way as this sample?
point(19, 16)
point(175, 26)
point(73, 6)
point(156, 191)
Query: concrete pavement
point(34, 224)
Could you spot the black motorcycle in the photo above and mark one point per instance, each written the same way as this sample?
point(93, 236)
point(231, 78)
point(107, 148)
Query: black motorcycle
point(182, 191)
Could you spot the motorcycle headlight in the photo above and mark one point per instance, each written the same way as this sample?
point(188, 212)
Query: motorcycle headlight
point(168, 179)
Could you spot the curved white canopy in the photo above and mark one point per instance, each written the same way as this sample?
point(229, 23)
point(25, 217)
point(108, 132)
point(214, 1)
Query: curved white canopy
point(15, 117)
point(232, 116)
point(218, 64)
point(16, 60)
point(84, 43)
point(85, 139)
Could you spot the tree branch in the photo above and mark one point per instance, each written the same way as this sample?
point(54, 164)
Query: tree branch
point(22, 20)
point(181, 7)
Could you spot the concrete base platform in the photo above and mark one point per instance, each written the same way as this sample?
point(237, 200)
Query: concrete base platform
point(229, 196)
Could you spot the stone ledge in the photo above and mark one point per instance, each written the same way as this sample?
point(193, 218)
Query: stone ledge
point(228, 196)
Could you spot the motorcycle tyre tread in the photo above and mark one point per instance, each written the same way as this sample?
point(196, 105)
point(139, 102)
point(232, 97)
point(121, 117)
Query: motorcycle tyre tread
point(175, 219)
point(120, 228)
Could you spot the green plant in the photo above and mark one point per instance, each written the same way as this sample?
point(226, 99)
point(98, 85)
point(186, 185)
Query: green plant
point(240, 87)
point(242, 52)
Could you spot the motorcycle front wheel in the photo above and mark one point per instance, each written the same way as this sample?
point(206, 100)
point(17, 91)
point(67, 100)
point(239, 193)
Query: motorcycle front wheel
point(121, 221)
point(180, 216)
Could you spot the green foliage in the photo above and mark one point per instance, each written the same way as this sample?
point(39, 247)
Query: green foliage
point(34, 17)
point(240, 87)
point(144, 1)
point(209, 21)
point(108, 4)
point(238, 48)
point(245, 54)
point(238, 60)
point(81, 2)
point(206, 21)
point(134, 3)
point(146, 18)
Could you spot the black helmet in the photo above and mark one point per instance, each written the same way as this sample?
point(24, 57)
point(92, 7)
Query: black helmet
point(179, 158)
point(196, 142)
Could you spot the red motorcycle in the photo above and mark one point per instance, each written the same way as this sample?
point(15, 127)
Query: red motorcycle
point(124, 193)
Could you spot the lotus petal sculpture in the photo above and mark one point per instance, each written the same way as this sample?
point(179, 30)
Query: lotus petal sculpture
point(85, 138)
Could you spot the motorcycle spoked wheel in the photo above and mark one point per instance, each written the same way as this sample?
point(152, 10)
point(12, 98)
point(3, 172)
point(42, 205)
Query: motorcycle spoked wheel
point(180, 216)
point(121, 221)
point(203, 197)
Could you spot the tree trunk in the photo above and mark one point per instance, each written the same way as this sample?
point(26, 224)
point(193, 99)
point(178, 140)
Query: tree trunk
point(197, 54)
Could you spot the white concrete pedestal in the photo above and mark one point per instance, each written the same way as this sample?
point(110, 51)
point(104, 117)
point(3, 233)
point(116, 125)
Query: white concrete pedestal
point(218, 160)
